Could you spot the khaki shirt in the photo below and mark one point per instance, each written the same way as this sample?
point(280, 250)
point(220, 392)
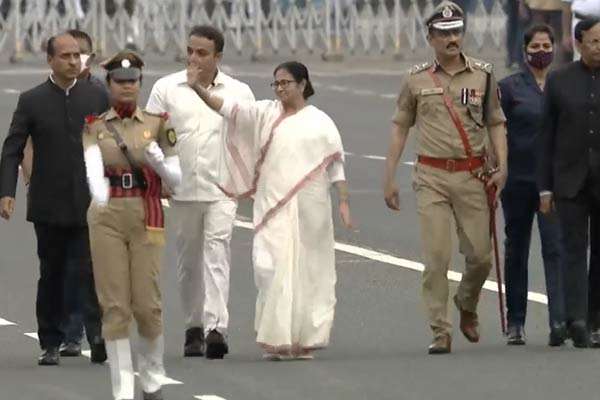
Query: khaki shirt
point(137, 133)
point(420, 102)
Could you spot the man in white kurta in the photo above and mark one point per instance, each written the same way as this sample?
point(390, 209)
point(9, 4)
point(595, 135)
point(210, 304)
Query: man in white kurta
point(201, 217)
point(573, 12)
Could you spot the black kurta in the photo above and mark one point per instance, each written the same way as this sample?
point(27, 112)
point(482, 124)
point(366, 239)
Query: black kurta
point(58, 192)
point(569, 142)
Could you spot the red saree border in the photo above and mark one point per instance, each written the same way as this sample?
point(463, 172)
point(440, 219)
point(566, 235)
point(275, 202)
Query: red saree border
point(307, 178)
point(293, 349)
point(242, 167)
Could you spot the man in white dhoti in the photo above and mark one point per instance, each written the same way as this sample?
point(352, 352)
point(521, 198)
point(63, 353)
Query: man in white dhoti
point(286, 154)
point(201, 216)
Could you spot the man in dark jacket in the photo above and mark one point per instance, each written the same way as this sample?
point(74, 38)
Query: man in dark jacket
point(569, 168)
point(53, 115)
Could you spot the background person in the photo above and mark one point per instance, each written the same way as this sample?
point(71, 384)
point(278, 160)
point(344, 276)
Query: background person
point(522, 95)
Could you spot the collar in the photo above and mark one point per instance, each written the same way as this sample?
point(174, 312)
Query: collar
point(68, 89)
point(587, 67)
point(218, 81)
point(529, 78)
point(467, 60)
point(112, 114)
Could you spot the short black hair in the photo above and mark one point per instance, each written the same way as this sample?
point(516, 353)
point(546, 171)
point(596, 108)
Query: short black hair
point(211, 33)
point(583, 26)
point(77, 34)
point(50, 46)
point(535, 29)
point(299, 72)
point(50, 50)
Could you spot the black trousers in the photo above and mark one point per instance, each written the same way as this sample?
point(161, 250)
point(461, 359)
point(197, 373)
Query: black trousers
point(60, 250)
point(579, 219)
point(520, 202)
point(594, 274)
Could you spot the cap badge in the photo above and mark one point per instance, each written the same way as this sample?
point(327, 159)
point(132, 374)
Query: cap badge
point(147, 135)
point(447, 12)
point(125, 63)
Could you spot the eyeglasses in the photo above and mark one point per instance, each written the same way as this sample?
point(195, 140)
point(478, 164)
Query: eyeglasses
point(284, 83)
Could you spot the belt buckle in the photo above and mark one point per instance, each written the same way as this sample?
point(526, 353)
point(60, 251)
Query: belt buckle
point(127, 181)
point(450, 165)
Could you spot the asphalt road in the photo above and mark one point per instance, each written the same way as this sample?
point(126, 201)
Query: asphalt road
point(379, 341)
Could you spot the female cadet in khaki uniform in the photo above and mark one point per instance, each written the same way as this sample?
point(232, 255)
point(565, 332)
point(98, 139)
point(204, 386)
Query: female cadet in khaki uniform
point(126, 223)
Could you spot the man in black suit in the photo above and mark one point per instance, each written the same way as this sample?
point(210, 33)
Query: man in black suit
point(569, 169)
point(53, 115)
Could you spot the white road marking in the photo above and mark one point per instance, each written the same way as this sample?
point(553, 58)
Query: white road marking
point(4, 322)
point(388, 96)
point(363, 92)
point(337, 88)
point(243, 224)
point(411, 163)
point(372, 157)
point(11, 91)
point(209, 397)
point(408, 264)
point(32, 335)
point(24, 71)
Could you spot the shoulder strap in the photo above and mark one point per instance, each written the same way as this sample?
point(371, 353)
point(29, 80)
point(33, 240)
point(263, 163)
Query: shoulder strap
point(454, 116)
point(486, 96)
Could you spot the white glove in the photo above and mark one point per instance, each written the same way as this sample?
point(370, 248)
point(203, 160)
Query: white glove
point(154, 155)
point(98, 184)
point(168, 168)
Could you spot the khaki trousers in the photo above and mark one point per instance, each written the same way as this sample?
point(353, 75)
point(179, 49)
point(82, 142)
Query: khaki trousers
point(441, 196)
point(126, 269)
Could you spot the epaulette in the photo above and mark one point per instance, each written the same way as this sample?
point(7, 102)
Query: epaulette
point(420, 67)
point(163, 115)
point(482, 65)
point(90, 119)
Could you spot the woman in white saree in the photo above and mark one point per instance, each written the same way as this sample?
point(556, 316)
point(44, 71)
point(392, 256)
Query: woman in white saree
point(286, 154)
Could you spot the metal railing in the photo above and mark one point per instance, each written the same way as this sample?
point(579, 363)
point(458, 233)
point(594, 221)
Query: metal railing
point(331, 27)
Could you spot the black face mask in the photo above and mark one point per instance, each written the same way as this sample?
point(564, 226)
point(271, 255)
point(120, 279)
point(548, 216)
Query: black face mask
point(540, 59)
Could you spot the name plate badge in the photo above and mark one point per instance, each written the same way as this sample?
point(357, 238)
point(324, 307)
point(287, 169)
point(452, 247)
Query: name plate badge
point(432, 91)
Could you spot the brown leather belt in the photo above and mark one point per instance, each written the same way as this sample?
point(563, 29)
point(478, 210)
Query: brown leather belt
point(452, 164)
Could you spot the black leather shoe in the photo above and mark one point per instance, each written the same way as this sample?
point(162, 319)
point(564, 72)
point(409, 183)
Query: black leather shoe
point(70, 350)
point(50, 356)
point(194, 342)
point(98, 351)
point(579, 334)
point(153, 396)
point(216, 346)
point(558, 334)
point(515, 335)
point(595, 338)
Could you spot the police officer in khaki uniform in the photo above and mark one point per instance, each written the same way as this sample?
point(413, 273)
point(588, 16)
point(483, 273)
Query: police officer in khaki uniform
point(450, 94)
point(130, 154)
